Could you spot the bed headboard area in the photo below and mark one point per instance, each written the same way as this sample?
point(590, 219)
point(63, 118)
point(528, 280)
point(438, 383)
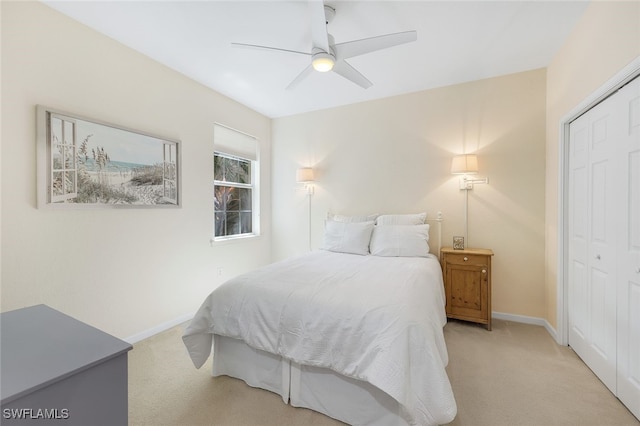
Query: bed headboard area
point(435, 233)
point(384, 234)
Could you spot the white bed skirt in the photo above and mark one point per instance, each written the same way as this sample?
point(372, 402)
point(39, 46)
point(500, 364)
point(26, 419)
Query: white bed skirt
point(349, 400)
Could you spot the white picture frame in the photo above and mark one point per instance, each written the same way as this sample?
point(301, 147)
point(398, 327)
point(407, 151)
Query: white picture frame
point(87, 163)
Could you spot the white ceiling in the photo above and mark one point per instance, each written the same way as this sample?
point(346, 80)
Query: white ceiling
point(457, 42)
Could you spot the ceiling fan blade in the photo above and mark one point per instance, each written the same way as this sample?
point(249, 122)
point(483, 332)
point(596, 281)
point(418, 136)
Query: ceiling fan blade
point(305, 72)
point(255, 46)
point(350, 73)
point(350, 49)
point(319, 34)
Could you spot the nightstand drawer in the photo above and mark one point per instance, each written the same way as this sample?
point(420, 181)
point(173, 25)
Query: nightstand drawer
point(467, 259)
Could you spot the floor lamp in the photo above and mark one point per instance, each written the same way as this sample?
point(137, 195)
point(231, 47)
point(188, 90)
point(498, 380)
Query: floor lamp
point(304, 175)
point(465, 165)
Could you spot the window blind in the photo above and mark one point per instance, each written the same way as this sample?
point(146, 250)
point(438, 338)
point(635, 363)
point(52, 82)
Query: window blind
point(233, 142)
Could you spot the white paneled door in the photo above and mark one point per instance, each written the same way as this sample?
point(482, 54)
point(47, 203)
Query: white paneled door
point(629, 249)
point(604, 242)
point(592, 321)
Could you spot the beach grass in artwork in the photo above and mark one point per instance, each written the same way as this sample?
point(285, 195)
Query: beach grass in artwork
point(98, 164)
point(106, 181)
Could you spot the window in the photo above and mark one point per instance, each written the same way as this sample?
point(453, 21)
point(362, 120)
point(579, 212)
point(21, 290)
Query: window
point(235, 184)
point(64, 172)
point(169, 172)
point(233, 195)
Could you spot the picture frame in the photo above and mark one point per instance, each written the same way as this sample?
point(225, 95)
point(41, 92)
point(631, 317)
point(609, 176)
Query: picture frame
point(88, 163)
point(458, 243)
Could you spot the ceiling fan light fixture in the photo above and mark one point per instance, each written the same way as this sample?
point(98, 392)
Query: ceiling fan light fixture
point(323, 62)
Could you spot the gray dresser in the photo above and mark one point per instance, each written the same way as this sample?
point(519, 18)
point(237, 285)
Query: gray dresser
point(58, 370)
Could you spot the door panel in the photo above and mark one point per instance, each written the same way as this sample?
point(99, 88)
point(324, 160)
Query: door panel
point(633, 195)
point(598, 311)
point(628, 346)
point(604, 242)
point(633, 308)
point(578, 213)
point(599, 202)
point(579, 199)
point(592, 298)
point(580, 301)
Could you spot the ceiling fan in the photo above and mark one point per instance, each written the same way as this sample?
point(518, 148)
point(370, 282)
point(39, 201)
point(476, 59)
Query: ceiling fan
point(326, 55)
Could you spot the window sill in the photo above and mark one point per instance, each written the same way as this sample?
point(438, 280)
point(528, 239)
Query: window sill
point(235, 239)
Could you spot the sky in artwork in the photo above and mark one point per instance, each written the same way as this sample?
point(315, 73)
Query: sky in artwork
point(120, 145)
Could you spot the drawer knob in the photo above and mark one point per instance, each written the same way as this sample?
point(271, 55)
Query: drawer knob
point(484, 271)
point(465, 258)
point(597, 257)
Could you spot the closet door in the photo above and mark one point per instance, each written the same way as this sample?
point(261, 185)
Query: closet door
point(629, 248)
point(578, 226)
point(592, 245)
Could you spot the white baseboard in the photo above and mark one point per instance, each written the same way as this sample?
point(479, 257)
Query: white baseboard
point(158, 328)
point(527, 320)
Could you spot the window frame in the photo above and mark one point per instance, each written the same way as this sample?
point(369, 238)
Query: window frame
point(65, 146)
point(170, 191)
point(254, 186)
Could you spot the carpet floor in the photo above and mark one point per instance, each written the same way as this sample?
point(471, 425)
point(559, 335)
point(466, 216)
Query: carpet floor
point(513, 375)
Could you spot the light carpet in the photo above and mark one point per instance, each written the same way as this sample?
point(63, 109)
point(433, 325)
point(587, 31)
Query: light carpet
point(513, 375)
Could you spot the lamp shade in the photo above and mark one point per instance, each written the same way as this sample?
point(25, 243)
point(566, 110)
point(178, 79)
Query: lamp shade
point(464, 164)
point(304, 174)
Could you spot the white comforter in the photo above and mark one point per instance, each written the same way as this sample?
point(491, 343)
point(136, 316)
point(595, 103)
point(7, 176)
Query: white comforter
point(377, 319)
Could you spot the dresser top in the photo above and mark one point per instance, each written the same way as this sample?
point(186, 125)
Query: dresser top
point(481, 251)
point(40, 346)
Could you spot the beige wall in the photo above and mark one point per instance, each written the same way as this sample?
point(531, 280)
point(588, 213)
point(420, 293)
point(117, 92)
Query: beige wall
point(605, 39)
point(390, 155)
point(124, 271)
point(394, 155)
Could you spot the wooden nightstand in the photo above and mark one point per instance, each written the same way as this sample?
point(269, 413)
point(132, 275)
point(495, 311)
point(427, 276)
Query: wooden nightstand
point(467, 284)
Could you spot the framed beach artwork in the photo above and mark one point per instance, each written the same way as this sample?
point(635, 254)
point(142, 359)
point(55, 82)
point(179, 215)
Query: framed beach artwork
point(86, 163)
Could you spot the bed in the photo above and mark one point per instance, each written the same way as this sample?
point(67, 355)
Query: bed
point(350, 331)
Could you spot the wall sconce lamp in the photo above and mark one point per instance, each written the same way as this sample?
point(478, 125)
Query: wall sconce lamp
point(465, 165)
point(304, 175)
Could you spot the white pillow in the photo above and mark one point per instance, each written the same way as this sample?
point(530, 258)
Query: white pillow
point(401, 219)
point(344, 237)
point(400, 240)
point(351, 219)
